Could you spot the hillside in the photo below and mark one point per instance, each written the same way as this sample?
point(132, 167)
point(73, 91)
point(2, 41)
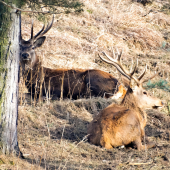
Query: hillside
point(53, 135)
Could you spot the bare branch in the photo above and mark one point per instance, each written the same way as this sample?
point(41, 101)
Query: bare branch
point(18, 9)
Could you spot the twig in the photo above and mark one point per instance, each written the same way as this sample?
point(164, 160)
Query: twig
point(62, 87)
point(150, 12)
point(85, 137)
point(140, 163)
point(60, 145)
point(22, 10)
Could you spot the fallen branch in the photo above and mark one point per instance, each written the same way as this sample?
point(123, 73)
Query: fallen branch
point(22, 10)
point(140, 163)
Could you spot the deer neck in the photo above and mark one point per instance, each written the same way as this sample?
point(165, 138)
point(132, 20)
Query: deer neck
point(130, 102)
point(30, 74)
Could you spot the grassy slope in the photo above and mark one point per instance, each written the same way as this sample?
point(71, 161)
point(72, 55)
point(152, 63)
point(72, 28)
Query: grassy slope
point(52, 135)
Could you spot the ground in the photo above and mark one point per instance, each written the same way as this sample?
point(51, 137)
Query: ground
point(53, 135)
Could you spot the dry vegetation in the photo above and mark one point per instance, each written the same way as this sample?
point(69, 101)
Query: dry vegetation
point(53, 135)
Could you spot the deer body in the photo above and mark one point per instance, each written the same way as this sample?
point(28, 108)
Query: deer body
point(73, 83)
point(123, 124)
point(118, 125)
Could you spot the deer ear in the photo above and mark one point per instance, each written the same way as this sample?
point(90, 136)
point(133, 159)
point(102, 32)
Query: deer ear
point(39, 42)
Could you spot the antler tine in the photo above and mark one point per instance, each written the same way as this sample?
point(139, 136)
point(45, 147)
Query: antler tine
point(110, 58)
point(114, 62)
point(136, 66)
point(32, 30)
point(117, 61)
point(120, 68)
point(41, 32)
point(145, 80)
point(141, 76)
point(133, 71)
point(48, 27)
point(119, 54)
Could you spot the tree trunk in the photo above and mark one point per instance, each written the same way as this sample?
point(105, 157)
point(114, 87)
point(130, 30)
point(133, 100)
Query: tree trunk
point(10, 23)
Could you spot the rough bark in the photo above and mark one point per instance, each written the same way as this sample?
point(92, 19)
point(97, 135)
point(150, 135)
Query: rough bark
point(9, 60)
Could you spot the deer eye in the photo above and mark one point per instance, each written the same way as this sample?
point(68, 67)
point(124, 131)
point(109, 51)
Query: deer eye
point(145, 92)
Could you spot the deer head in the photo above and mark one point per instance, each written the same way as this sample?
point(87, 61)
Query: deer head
point(143, 99)
point(27, 48)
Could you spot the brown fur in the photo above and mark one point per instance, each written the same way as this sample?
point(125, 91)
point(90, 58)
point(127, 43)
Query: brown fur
point(73, 83)
point(122, 124)
point(76, 82)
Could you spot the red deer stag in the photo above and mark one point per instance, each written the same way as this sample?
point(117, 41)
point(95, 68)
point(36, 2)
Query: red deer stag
point(123, 124)
point(58, 83)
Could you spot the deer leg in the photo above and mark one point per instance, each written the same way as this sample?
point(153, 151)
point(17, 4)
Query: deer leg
point(146, 140)
point(142, 147)
point(139, 144)
point(150, 145)
point(107, 145)
point(105, 142)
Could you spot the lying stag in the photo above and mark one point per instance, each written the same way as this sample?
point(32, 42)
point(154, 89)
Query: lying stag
point(123, 124)
point(58, 83)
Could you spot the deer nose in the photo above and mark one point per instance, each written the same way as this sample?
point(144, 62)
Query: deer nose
point(25, 55)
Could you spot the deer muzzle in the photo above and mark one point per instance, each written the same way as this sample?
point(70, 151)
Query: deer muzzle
point(25, 56)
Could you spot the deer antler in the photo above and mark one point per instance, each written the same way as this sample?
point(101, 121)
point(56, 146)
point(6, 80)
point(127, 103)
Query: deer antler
point(145, 80)
point(37, 35)
point(116, 62)
point(41, 32)
point(141, 76)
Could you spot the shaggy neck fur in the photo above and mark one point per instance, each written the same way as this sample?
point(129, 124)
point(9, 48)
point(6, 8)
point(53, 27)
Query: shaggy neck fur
point(31, 74)
point(130, 102)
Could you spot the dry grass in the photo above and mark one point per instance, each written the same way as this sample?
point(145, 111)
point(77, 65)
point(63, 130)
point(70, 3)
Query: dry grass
point(52, 135)
point(74, 40)
point(56, 132)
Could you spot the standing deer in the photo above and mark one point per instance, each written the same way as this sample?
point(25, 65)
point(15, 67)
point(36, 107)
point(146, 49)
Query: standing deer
point(58, 83)
point(123, 124)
